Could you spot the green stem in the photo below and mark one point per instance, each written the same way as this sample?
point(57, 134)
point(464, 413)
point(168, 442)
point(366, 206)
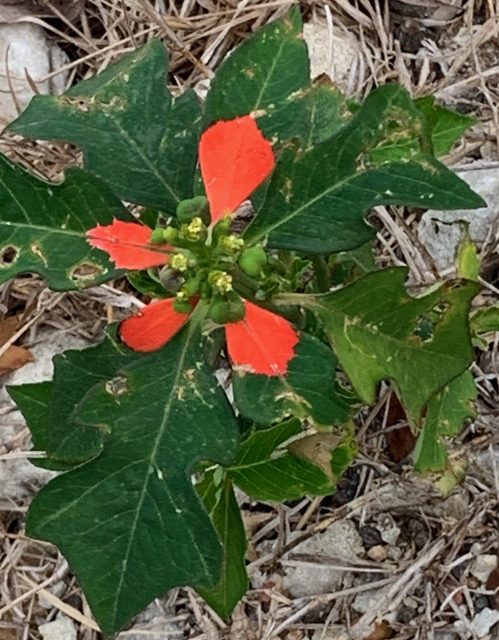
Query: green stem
point(321, 272)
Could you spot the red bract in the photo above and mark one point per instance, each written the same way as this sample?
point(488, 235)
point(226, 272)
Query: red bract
point(128, 244)
point(152, 326)
point(262, 341)
point(235, 159)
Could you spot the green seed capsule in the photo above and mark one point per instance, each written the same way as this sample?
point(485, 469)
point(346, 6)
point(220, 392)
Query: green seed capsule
point(225, 309)
point(197, 207)
point(191, 286)
point(253, 260)
point(170, 234)
point(158, 236)
point(222, 228)
point(182, 307)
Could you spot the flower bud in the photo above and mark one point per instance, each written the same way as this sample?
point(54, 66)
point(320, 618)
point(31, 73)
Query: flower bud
point(253, 260)
point(221, 281)
point(179, 262)
point(195, 230)
point(197, 207)
point(222, 228)
point(225, 309)
point(231, 244)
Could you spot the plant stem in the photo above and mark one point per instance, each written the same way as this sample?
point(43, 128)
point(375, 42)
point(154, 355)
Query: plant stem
point(321, 272)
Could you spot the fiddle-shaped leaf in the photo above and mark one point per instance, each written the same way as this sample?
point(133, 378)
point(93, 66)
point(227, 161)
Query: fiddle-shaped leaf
point(261, 75)
point(132, 132)
point(43, 226)
point(379, 332)
point(133, 510)
point(317, 199)
point(268, 76)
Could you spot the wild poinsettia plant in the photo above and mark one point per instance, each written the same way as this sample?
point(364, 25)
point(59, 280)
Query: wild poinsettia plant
point(202, 260)
point(245, 233)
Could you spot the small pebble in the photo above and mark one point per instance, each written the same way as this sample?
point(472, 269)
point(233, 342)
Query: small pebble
point(370, 535)
point(480, 602)
point(482, 566)
point(406, 614)
point(391, 535)
point(378, 553)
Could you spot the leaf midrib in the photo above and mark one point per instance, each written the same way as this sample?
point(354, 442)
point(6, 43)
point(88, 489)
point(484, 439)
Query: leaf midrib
point(150, 469)
point(328, 191)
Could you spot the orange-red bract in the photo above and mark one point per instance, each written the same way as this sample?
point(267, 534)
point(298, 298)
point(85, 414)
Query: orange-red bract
point(153, 326)
point(262, 341)
point(235, 159)
point(128, 245)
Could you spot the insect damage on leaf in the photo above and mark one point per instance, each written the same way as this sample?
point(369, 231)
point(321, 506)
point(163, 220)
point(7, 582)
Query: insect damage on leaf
point(86, 271)
point(117, 386)
point(8, 255)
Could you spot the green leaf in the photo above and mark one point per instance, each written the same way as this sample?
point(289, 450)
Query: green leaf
point(485, 320)
point(269, 76)
point(267, 470)
point(447, 411)
point(444, 128)
point(327, 112)
point(43, 225)
point(379, 332)
point(48, 406)
point(220, 502)
point(313, 114)
point(468, 260)
point(133, 512)
point(316, 200)
point(309, 390)
point(132, 133)
point(261, 76)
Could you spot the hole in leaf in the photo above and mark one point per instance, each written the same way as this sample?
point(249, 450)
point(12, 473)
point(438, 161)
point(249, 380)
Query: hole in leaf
point(424, 328)
point(8, 255)
point(117, 386)
point(85, 271)
point(80, 103)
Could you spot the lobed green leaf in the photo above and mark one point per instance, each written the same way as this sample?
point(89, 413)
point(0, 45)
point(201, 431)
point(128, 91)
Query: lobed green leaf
point(270, 468)
point(48, 407)
point(133, 511)
point(132, 133)
point(43, 226)
point(379, 332)
point(317, 199)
